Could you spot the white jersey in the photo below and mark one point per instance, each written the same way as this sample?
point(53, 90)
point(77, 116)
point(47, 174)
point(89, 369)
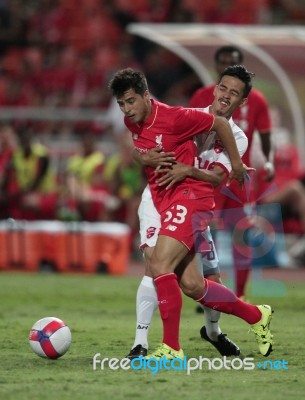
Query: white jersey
point(212, 151)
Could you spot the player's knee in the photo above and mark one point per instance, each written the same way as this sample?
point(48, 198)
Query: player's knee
point(191, 288)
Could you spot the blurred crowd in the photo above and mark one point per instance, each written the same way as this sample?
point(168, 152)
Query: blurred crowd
point(91, 187)
point(54, 53)
point(58, 53)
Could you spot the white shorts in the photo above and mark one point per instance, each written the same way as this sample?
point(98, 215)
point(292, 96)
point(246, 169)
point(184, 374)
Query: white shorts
point(150, 224)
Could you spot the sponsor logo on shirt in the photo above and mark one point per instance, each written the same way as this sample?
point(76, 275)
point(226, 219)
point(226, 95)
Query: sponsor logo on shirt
point(150, 232)
point(171, 228)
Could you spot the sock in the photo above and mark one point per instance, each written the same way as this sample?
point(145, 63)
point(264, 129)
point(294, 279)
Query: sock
point(242, 264)
point(241, 281)
point(170, 305)
point(222, 299)
point(211, 318)
point(146, 304)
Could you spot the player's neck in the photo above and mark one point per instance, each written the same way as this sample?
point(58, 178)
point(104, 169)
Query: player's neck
point(148, 113)
point(149, 110)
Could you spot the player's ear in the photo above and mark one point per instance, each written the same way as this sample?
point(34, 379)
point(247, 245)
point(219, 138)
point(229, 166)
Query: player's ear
point(214, 91)
point(244, 101)
point(146, 95)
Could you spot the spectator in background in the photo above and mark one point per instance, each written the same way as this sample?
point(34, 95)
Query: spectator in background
point(8, 142)
point(29, 185)
point(250, 117)
point(126, 181)
point(85, 195)
point(288, 189)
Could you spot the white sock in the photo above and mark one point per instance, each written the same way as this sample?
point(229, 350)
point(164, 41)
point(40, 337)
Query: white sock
point(211, 323)
point(146, 304)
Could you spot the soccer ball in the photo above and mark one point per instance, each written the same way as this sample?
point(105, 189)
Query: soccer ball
point(50, 338)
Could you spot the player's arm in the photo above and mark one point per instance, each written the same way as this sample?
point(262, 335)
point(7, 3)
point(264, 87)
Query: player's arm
point(223, 129)
point(179, 171)
point(154, 158)
point(223, 174)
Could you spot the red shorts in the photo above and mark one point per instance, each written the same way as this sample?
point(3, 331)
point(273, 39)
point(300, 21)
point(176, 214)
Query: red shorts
point(185, 219)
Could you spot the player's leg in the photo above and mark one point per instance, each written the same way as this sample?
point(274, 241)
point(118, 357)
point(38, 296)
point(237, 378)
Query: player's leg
point(150, 223)
point(242, 258)
point(174, 242)
point(219, 340)
point(146, 300)
point(218, 297)
point(168, 253)
point(208, 262)
point(235, 207)
point(146, 304)
point(165, 256)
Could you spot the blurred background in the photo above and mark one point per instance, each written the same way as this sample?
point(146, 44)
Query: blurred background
point(65, 157)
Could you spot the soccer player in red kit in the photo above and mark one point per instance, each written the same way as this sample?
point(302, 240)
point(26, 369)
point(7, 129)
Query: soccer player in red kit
point(152, 124)
point(252, 116)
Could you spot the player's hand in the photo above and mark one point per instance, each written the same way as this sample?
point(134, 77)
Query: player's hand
point(245, 174)
point(249, 169)
point(171, 175)
point(157, 158)
point(269, 171)
point(239, 174)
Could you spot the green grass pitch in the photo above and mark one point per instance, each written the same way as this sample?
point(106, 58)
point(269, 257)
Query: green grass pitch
point(100, 312)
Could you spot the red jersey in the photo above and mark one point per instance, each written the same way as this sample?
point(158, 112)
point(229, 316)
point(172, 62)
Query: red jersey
point(252, 116)
point(172, 129)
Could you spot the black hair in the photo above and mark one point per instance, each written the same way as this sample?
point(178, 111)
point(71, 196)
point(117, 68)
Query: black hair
point(229, 49)
point(126, 79)
point(240, 72)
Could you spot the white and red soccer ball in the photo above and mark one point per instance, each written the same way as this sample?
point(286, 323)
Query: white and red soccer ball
point(50, 337)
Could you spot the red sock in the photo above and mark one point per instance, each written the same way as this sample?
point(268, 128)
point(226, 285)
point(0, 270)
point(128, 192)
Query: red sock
point(170, 305)
point(242, 263)
point(241, 281)
point(222, 299)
